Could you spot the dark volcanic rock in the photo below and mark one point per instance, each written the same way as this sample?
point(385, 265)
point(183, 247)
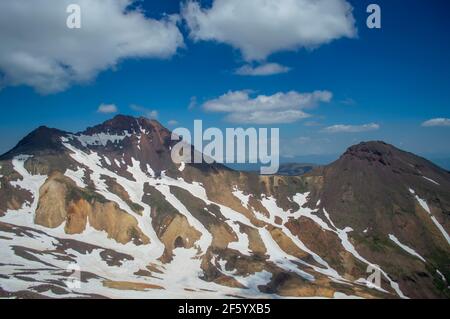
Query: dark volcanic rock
point(369, 188)
point(41, 141)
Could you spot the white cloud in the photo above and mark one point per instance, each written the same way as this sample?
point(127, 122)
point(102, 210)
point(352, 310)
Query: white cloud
point(267, 117)
point(107, 108)
point(263, 69)
point(259, 28)
point(38, 49)
point(274, 109)
point(312, 123)
point(437, 122)
point(172, 123)
point(340, 128)
point(151, 114)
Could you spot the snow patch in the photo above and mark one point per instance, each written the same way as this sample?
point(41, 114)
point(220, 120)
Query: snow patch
point(425, 206)
point(150, 171)
point(77, 176)
point(30, 183)
point(430, 180)
point(408, 249)
point(343, 236)
point(99, 139)
point(340, 295)
point(442, 275)
point(107, 160)
point(135, 190)
point(206, 238)
point(240, 195)
point(279, 257)
point(270, 204)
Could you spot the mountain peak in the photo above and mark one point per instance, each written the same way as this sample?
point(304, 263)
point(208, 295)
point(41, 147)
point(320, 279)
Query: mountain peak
point(40, 140)
point(371, 147)
point(372, 151)
point(130, 124)
point(381, 154)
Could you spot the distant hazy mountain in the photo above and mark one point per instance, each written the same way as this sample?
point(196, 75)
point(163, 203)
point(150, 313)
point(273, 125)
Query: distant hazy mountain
point(111, 201)
point(295, 169)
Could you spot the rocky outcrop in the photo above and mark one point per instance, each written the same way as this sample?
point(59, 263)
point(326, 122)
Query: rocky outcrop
point(61, 202)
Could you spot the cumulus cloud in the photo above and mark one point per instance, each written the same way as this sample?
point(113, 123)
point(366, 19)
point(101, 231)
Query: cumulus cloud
point(340, 128)
point(436, 122)
point(107, 108)
point(151, 114)
point(172, 123)
point(262, 70)
point(274, 109)
point(39, 50)
point(259, 28)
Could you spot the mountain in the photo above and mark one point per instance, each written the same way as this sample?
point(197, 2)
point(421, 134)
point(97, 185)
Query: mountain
point(295, 169)
point(106, 213)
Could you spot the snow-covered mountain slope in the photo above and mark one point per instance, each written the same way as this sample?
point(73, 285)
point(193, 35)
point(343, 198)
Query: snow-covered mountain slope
point(110, 203)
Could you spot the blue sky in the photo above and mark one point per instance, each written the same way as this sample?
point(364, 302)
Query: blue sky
point(396, 77)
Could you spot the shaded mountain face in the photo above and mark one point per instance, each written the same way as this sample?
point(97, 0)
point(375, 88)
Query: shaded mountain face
point(383, 192)
point(43, 140)
point(111, 201)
